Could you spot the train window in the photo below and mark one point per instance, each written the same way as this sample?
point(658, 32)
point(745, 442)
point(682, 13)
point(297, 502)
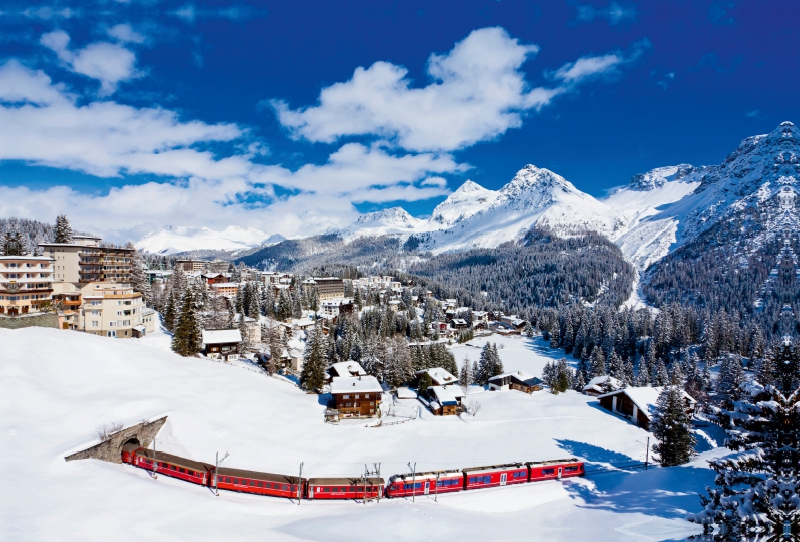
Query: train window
point(235, 481)
point(487, 479)
point(570, 469)
point(259, 484)
point(180, 469)
point(285, 487)
point(547, 472)
point(327, 490)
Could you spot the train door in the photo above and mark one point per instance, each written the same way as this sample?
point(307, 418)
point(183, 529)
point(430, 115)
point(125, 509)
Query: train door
point(559, 473)
point(427, 487)
point(503, 478)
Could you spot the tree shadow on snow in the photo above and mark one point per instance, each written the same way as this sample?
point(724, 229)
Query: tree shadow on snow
point(539, 346)
point(593, 454)
point(324, 398)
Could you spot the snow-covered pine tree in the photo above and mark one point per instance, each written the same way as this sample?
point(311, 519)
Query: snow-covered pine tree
point(139, 279)
point(579, 382)
point(63, 231)
point(616, 367)
point(672, 426)
point(497, 363)
point(598, 362)
point(676, 377)
point(465, 376)
point(312, 377)
point(275, 349)
point(730, 379)
point(484, 365)
point(255, 303)
point(242, 325)
point(188, 337)
point(169, 313)
point(660, 375)
point(757, 493)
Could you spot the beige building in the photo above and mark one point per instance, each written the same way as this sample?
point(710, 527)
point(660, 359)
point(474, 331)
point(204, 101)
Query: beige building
point(84, 261)
point(192, 266)
point(327, 288)
point(26, 283)
point(112, 310)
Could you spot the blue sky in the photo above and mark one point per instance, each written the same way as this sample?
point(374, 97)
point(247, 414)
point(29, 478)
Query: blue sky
point(292, 117)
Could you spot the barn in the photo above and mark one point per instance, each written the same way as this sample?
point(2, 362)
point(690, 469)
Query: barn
point(638, 404)
point(516, 380)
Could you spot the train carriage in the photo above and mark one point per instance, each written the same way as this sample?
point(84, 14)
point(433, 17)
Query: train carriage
point(425, 483)
point(171, 465)
point(555, 469)
point(495, 476)
point(261, 483)
point(344, 488)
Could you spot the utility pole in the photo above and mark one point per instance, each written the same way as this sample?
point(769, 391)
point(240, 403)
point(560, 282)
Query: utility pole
point(436, 492)
point(647, 454)
point(299, 484)
point(217, 463)
point(155, 461)
point(367, 474)
point(413, 480)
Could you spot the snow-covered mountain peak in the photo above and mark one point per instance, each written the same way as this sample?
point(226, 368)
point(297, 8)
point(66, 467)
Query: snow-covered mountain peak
point(393, 216)
point(175, 239)
point(658, 177)
point(470, 198)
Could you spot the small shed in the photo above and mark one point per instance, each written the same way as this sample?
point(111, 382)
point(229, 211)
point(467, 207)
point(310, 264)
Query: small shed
point(516, 380)
point(222, 343)
point(637, 403)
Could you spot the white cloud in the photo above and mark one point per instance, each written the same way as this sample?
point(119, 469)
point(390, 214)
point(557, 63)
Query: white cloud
point(44, 125)
point(607, 65)
point(614, 13)
point(125, 33)
point(109, 63)
point(477, 93)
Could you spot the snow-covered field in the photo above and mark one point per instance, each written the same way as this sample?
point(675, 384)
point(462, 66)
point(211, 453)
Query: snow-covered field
point(57, 386)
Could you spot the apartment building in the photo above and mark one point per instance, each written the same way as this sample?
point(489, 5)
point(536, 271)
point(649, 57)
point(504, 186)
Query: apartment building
point(84, 261)
point(327, 287)
point(26, 283)
point(112, 310)
point(192, 266)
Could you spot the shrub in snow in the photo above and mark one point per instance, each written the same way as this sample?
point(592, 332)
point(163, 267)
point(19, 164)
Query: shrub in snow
point(756, 495)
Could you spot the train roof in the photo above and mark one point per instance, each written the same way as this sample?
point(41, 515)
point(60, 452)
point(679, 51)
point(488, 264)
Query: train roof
point(355, 481)
point(423, 475)
point(175, 460)
point(496, 467)
point(266, 476)
point(554, 461)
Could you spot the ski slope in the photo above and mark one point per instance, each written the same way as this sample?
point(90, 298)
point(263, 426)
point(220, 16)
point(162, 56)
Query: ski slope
point(57, 386)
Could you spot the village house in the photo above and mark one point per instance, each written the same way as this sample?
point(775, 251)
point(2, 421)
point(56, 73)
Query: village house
point(218, 266)
point(602, 384)
point(445, 400)
point(513, 322)
point(638, 404)
point(356, 396)
point(333, 308)
point(214, 278)
point(111, 310)
point(326, 287)
point(516, 380)
point(222, 344)
point(345, 368)
point(439, 377)
point(252, 327)
point(69, 309)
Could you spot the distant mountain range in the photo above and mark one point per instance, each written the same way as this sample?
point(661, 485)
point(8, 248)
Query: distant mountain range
point(173, 240)
point(656, 213)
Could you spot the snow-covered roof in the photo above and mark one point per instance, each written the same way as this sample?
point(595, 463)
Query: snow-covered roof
point(225, 285)
point(217, 336)
point(519, 375)
point(406, 393)
point(459, 322)
point(438, 375)
point(344, 384)
point(596, 383)
point(348, 368)
point(447, 394)
point(644, 397)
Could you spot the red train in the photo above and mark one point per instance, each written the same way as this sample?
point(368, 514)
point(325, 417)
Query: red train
point(400, 485)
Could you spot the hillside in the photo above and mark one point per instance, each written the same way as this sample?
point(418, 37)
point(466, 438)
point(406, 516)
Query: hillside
point(58, 386)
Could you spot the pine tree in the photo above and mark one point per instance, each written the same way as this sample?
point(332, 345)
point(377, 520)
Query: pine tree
point(245, 342)
point(63, 231)
point(616, 367)
point(730, 379)
point(312, 377)
point(188, 337)
point(485, 369)
point(598, 362)
point(169, 313)
point(579, 382)
point(672, 426)
point(255, 303)
point(757, 495)
point(497, 363)
point(660, 376)
point(139, 279)
point(465, 376)
point(425, 382)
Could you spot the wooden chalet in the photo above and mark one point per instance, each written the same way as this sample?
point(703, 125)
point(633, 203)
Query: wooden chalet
point(638, 404)
point(445, 400)
point(345, 368)
point(356, 396)
point(439, 377)
point(602, 384)
point(222, 344)
point(517, 380)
